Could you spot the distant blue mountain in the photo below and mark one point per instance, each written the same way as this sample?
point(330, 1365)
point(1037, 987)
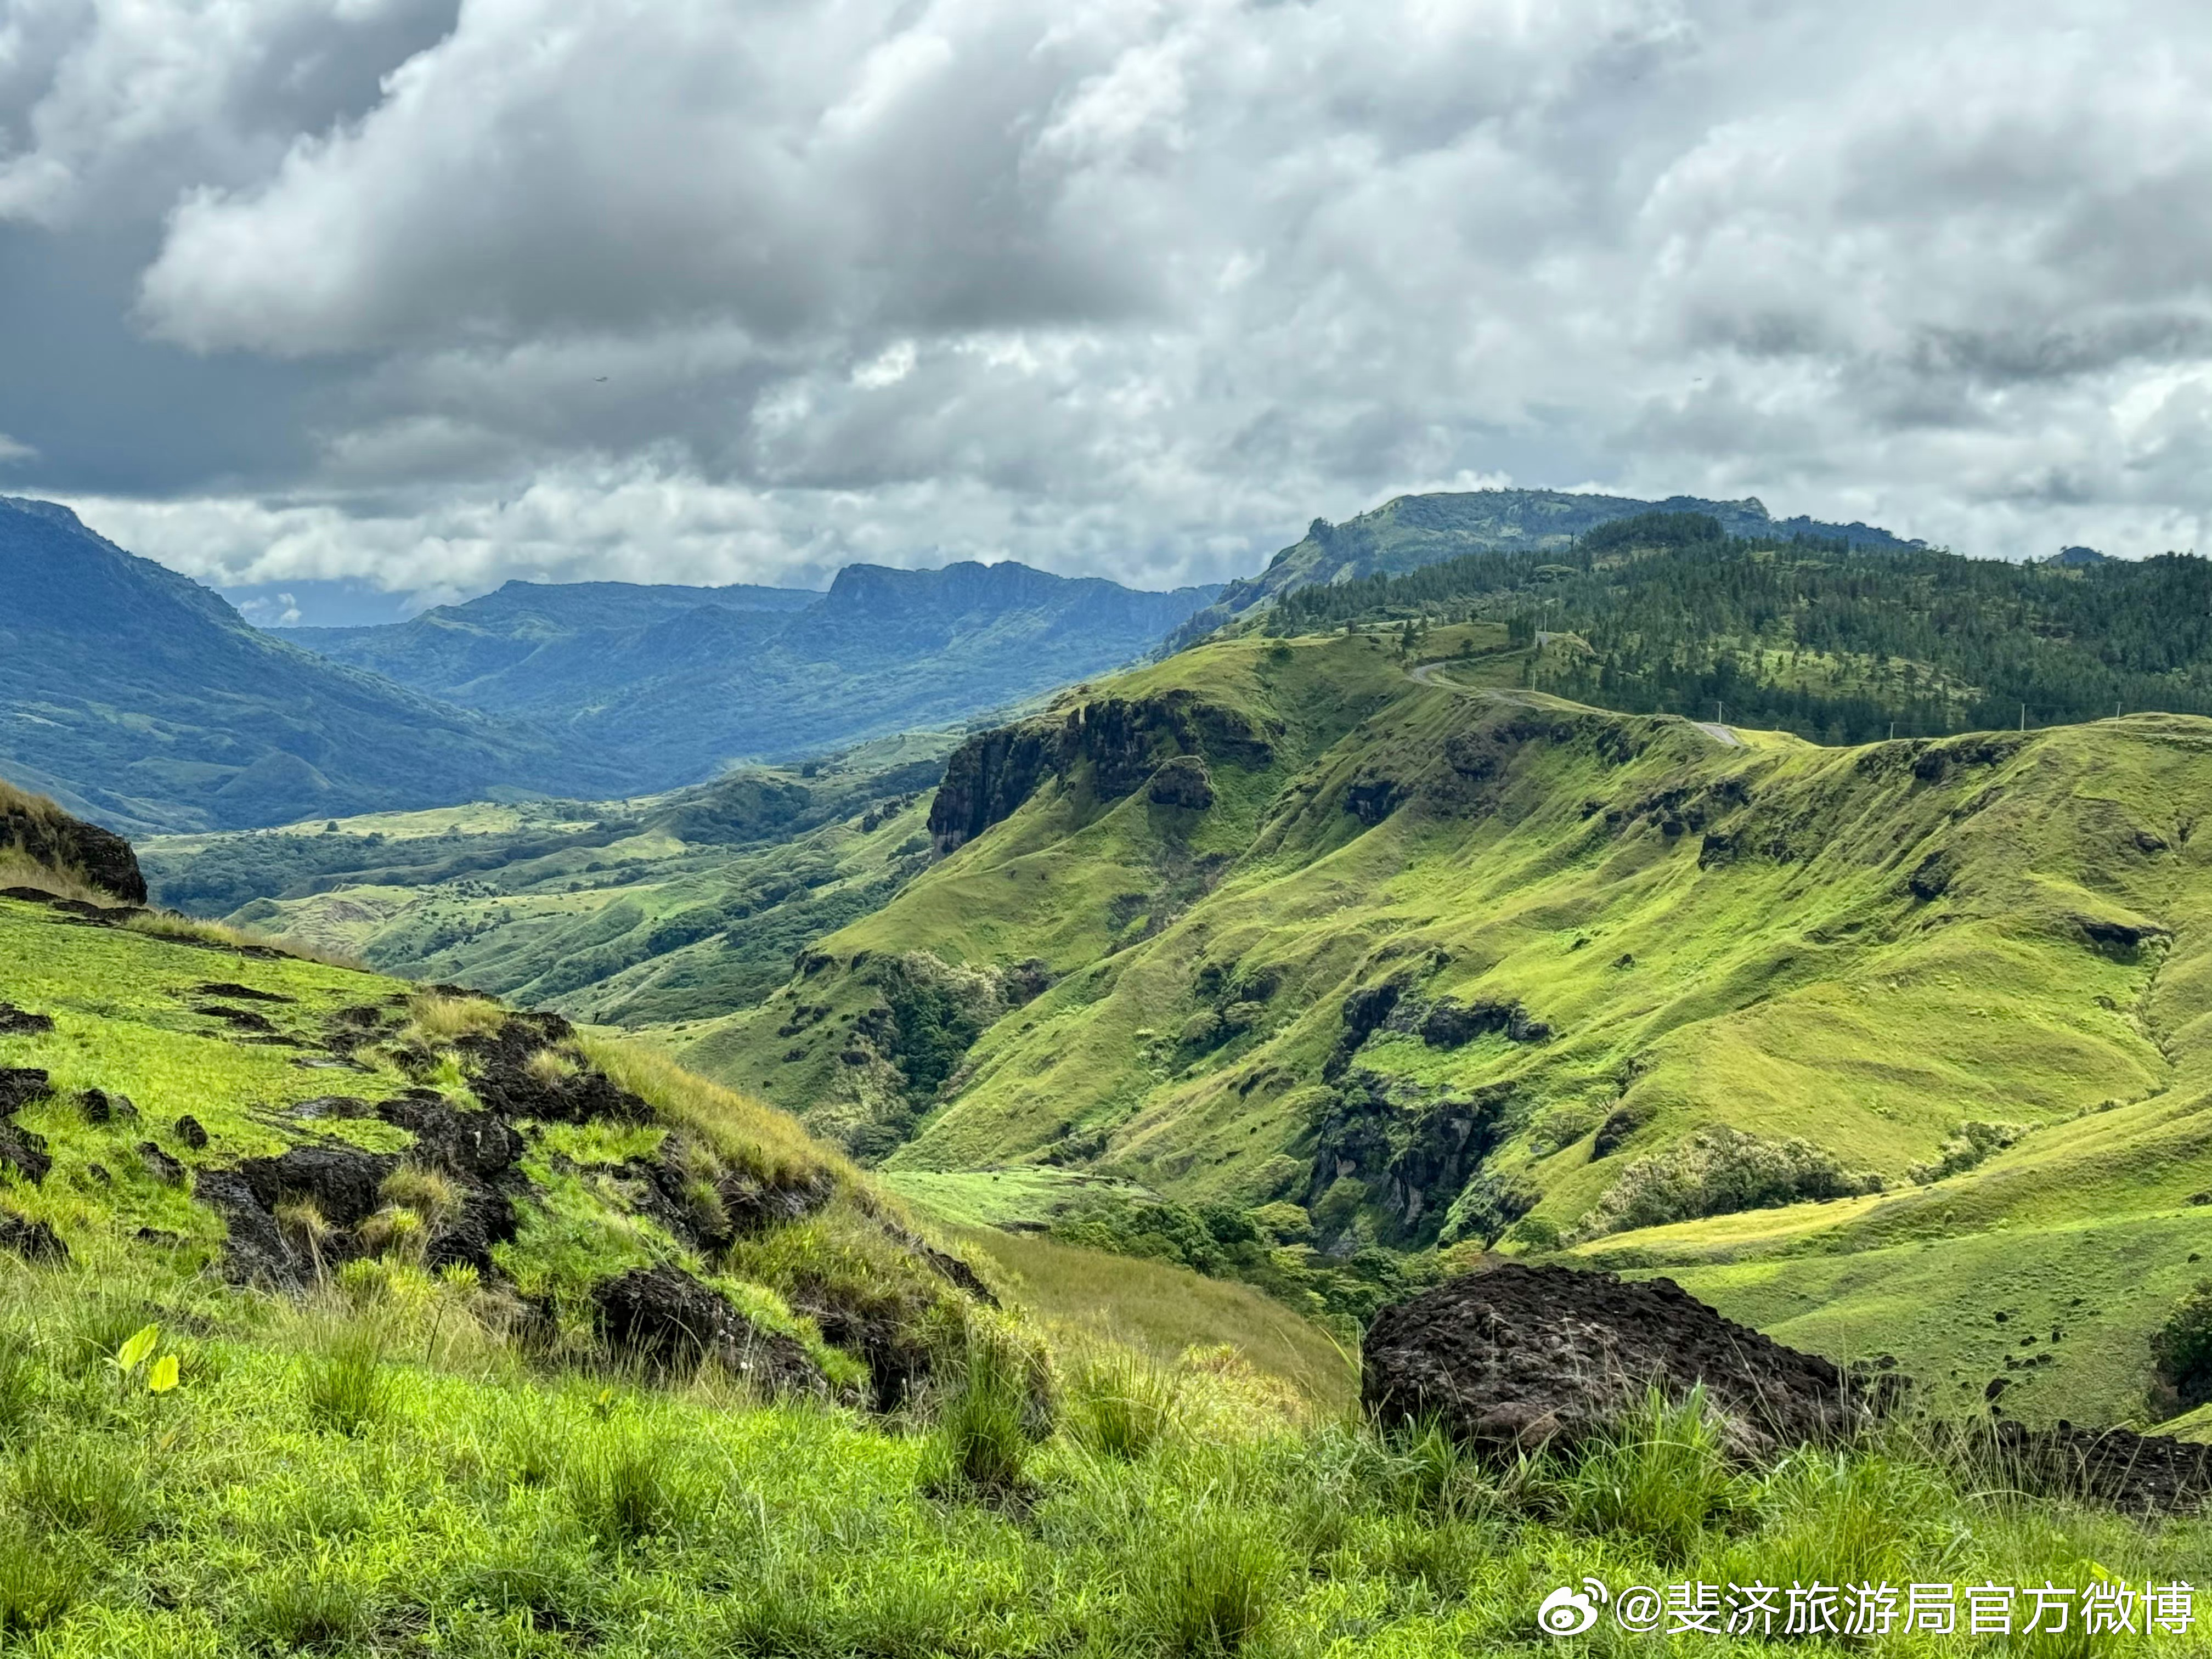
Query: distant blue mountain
point(140, 700)
point(671, 684)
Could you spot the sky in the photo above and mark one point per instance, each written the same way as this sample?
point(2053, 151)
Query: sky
point(374, 303)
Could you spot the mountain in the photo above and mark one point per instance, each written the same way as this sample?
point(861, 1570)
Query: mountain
point(1412, 530)
point(673, 684)
point(139, 699)
point(1668, 612)
point(1903, 1048)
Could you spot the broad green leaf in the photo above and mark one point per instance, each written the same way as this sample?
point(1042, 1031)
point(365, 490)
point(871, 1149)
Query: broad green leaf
point(163, 1377)
point(133, 1354)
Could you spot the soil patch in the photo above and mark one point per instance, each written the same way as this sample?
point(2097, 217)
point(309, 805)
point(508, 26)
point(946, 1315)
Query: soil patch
point(673, 1322)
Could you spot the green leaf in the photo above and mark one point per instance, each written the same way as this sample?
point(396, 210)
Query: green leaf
point(163, 1377)
point(133, 1354)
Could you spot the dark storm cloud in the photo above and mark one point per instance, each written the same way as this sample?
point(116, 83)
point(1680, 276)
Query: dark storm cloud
point(734, 289)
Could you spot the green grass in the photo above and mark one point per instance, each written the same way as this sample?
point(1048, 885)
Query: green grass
point(1859, 949)
point(492, 1507)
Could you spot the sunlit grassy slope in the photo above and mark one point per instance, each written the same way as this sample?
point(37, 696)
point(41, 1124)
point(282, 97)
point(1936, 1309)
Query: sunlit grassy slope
point(1858, 950)
point(659, 910)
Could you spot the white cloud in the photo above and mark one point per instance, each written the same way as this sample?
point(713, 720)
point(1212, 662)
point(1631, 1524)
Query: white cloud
point(733, 290)
point(12, 451)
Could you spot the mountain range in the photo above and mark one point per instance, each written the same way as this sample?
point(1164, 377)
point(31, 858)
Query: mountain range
point(141, 701)
point(671, 684)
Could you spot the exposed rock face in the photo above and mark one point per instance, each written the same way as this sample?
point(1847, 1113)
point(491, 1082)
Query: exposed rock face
point(2144, 1474)
point(1184, 782)
point(1521, 1356)
point(44, 834)
point(1120, 742)
point(666, 1318)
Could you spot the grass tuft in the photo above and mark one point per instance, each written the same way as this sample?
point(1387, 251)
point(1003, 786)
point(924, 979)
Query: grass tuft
point(85, 1483)
point(1122, 1403)
point(38, 1582)
point(988, 1422)
point(1204, 1586)
point(345, 1387)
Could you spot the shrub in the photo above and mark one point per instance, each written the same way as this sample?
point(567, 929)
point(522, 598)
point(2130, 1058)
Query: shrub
point(1719, 1171)
point(2181, 1349)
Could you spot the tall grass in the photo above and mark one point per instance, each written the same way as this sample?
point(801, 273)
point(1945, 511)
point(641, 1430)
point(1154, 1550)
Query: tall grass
point(988, 1421)
point(745, 1134)
point(344, 1387)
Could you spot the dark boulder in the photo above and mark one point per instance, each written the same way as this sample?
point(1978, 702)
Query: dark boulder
point(44, 834)
point(190, 1131)
point(473, 1147)
point(1521, 1356)
point(20, 1085)
point(2144, 1474)
point(33, 1241)
point(159, 1164)
point(502, 1075)
point(24, 1152)
point(671, 1322)
point(21, 1021)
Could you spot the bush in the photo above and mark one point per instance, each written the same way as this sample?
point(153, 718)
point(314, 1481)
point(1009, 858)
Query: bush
point(2181, 1349)
point(1720, 1171)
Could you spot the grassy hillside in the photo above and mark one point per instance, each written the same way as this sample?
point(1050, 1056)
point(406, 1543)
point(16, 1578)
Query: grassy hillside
point(141, 700)
point(1378, 954)
point(671, 685)
point(324, 1328)
point(661, 909)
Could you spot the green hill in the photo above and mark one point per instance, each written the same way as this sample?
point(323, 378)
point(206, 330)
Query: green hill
point(141, 700)
point(1410, 531)
point(1376, 956)
point(647, 911)
point(670, 685)
point(1669, 612)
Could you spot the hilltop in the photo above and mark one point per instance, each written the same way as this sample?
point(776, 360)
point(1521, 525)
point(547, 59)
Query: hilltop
point(1359, 955)
point(671, 684)
point(1409, 532)
point(139, 699)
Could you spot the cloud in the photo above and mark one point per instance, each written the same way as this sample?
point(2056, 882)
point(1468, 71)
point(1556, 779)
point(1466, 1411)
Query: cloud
point(12, 451)
point(733, 290)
